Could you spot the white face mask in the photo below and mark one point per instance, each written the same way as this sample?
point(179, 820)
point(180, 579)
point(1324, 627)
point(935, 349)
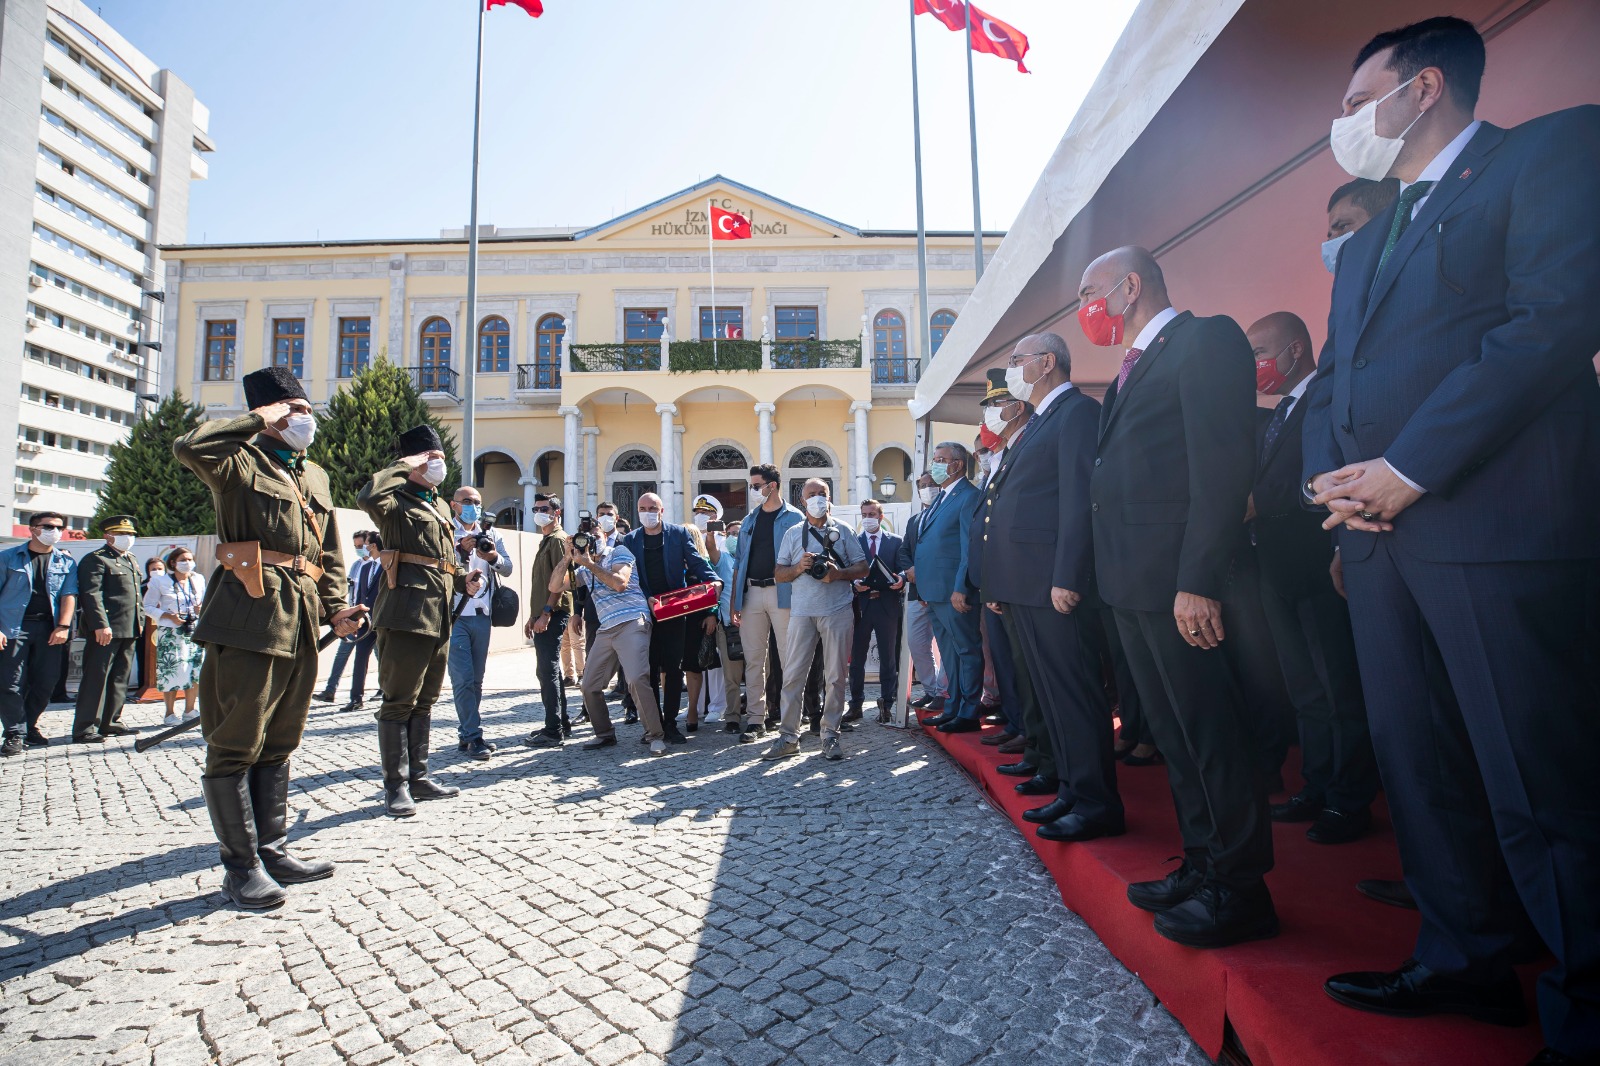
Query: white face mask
point(299, 432)
point(757, 498)
point(1016, 386)
point(869, 525)
point(926, 494)
point(122, 542)
point(434, 472)
point(543, 518)
point(817, 507)
point(1357, 146)
point(185, 565)
point(1330, 250)
point(49, 537)
point(650, 519)
point(994, 420)
point(701, 521)
point(606, 523)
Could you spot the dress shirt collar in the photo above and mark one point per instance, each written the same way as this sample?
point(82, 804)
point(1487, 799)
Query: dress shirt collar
point(1147, 336)
point(1441, 164)
point(1298, 391)
point(1055, 393)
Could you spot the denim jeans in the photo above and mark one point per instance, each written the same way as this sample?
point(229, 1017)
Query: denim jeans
point(469, 654)
point(547, 666)
point(28, 670)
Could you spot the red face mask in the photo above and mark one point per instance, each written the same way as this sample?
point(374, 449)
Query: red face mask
point(1100, 325)
point(1269, 379)
point(989, 439)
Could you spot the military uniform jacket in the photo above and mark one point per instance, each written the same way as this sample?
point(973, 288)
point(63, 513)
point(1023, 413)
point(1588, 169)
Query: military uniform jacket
point(108, 593)
point(421, 598)
point(254, 497)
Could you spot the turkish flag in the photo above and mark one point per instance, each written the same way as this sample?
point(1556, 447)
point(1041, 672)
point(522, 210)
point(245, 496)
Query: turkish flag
point(729, 225)
point(532, 7)
point(989, 34)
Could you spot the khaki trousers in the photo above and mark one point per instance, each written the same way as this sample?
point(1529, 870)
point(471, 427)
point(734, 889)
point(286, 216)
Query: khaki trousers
point(732, 674)
point(253, 707)
point(626, 644)
point(411, 671)
point(835, 632)
point(761, 616)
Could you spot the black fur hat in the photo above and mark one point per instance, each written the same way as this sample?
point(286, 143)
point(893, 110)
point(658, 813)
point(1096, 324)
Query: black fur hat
point(272, 384)
point(418, 439)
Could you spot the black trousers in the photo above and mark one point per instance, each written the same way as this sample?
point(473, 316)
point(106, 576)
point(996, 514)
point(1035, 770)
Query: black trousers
point(1481, 696)
point(1005, 670)
point(877, 618)
point(29, 669)
point(1317, 652)
point(1201, 728)
point(1077, 715)
point(1100, 629)
point(1037, 753)
point(666, 669)
point(1250, 646)
point(104, 686)
point(547, 667)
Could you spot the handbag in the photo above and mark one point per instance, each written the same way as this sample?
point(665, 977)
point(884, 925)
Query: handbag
point(504, 604)
point(679, 602)
point(735, 642)
point(708, 659)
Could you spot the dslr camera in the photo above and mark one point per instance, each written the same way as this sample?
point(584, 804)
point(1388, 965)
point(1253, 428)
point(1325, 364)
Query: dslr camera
point(583, 541)
point(484, 540)
point(827, 537)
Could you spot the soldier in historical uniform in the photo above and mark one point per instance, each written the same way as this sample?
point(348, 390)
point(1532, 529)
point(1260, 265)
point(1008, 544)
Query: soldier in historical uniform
point(111, 619)
point(412, 614)
point(280, 579)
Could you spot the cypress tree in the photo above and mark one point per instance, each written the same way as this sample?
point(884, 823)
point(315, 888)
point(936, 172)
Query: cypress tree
point(356, 434)
point(144, 480)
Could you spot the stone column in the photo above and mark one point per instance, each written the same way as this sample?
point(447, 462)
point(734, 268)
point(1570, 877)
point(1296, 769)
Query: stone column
point(669, 440)
point(591, 468)
point(847, 487)
point(571, 459)
point(530, 485)
point(678, 465)
point(765, 411)
point(863, 459)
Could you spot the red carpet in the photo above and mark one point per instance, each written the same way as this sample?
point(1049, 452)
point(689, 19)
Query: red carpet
point(1270, 991)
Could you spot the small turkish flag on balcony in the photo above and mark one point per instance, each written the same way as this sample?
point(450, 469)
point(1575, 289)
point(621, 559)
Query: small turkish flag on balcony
point(532, 7)
point(729, 225)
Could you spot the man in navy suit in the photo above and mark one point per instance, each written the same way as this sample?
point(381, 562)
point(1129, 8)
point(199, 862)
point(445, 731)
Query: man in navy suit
point(919, 615)
point(1453, 429)
point(667, 561)
point(941, 577)
point(878, 612)
point(1038, 564)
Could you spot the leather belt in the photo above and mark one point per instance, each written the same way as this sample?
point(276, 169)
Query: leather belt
point(761, 582)
point(298, 563)
point(427, 560)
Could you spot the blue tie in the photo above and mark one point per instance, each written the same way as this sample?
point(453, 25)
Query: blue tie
point(1275, 427)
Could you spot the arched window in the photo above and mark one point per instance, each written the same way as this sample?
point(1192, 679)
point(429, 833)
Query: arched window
point(889, 349)
point(433, 361)
point(635, 462)
point(633, 473)
point(807, 463)
point(547, 353)
point(939, 326)
point(722, 457)
point(494, 346)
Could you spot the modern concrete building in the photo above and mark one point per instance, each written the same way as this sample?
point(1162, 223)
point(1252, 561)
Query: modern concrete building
point(98, 145)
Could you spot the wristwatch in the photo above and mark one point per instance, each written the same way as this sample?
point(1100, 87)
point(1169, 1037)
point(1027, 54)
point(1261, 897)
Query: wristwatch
point(548, 609)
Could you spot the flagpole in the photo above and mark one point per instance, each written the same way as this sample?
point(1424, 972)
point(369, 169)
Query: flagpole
point(711, 254)
point(469, 467)
point(972, 123)
point(922, 232)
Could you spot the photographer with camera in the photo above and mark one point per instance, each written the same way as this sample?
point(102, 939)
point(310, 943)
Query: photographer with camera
point(478, 547)
point(173, 599)
point(821, 558)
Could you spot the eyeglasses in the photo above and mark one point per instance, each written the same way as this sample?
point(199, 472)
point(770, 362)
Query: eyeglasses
point(1023, 360)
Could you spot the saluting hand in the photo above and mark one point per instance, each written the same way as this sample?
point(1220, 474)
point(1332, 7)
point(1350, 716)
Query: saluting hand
point(272, 413)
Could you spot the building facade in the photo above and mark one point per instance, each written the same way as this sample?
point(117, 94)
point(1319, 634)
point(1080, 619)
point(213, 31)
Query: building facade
point(596, 373)
point(100, 145)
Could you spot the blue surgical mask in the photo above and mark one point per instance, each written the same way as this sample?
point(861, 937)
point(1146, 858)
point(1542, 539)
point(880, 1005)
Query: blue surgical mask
point(731, 544)
point(940, 471)
point(470, 513)
point(1330, 250)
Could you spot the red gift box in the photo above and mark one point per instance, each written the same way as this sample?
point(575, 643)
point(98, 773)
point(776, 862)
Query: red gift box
point(680, 602)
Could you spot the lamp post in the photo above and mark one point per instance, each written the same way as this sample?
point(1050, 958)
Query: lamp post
point(888, 487)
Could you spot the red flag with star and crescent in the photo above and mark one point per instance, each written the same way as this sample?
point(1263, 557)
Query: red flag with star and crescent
point(989, 34)
point(729, 225)
point(532, 7)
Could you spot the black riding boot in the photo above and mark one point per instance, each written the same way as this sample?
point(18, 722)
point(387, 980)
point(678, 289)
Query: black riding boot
point(269, 795)
point(392, 746)
point(424, 787)
point(244, 880)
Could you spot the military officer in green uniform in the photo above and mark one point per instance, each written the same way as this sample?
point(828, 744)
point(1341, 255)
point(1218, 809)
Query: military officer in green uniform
point(111, 619)
point(279, 580)
point(412, 613)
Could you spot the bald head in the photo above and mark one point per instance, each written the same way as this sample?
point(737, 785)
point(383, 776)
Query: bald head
point(1133, 286)
point(1283, 337)
point(1044, 374)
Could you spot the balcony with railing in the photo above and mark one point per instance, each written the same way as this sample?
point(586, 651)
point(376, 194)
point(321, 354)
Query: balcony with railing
point(891, 371)
point(437, 384)
point(688, 357)
point(538, 382)
point(613, 358)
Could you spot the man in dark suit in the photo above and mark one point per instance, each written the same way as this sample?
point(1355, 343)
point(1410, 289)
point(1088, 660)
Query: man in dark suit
point(1038, 563)
point(667, 562)
point(919, 615)
point(1310, 620)
point(111, 619)
point(879, 601)
point(997, 431)
point(941, 576)
point(1453, 428)
point(1168, 493)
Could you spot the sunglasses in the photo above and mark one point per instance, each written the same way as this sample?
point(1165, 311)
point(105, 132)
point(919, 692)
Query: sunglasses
point(541, 510)
point(58, 528)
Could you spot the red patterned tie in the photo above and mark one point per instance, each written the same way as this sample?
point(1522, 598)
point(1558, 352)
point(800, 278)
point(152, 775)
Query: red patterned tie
point(1127, 367)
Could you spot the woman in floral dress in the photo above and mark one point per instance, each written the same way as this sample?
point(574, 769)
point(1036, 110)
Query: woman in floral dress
point(173, 599)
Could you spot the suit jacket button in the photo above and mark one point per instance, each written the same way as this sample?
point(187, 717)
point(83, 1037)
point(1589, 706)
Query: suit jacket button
point(1360, 363)
point(1097, 462)
point(1345, 428)
point(1094, 507)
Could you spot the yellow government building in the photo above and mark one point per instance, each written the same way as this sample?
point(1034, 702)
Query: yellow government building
point(596, 376)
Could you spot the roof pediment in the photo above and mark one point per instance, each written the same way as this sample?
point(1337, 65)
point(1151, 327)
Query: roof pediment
point(682, 218)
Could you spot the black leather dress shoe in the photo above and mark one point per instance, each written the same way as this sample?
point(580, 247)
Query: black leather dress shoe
point(1075, 827)
point(1039, 786)
point(937, 720)
point(1218, 915)
point(1057, 808)
point(1300, 808)
point(1551, 1057)
point(1394, 893)
point(922, 701)
point(1017, 769)
point(961, 725)
point(1170, 891)
point(1414, 990)
point(1334, 826)
point(117, 729)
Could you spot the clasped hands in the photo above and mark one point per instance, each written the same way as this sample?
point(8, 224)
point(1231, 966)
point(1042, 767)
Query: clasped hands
point(1367, 496)
point(347, 621)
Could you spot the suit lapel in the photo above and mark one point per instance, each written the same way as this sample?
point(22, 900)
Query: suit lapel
point(1029, 434)
point(1141, 368)
point(1291, 424)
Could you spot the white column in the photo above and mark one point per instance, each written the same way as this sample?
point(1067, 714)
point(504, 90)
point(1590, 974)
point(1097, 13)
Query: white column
point(765, 411)
point(530, 485)
point(669, 440)
point(570, 460)
point(591, 468)
point(678, 511)
point(847, 487)
point(863, 460)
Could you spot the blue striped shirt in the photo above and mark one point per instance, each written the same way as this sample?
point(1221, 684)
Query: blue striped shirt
point(615, 608)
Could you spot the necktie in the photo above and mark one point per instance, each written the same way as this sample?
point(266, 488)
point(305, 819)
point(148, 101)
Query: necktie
point(1127, 367)
point(1402, 218)
point(872, 548)
point(1275, 427)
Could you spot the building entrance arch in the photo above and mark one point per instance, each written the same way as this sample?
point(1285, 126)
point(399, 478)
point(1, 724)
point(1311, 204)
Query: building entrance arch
point(633, 472)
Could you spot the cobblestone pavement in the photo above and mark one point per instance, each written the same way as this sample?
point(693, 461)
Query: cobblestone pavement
point(572, 907)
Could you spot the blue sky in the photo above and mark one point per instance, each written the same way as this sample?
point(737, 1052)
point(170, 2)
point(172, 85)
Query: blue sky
point(346, 119)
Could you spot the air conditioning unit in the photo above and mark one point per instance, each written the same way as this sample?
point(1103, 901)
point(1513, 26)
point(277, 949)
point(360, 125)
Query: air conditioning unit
point(29, 447)
point(34, 281)
point(25, 489)
point(30, 324)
